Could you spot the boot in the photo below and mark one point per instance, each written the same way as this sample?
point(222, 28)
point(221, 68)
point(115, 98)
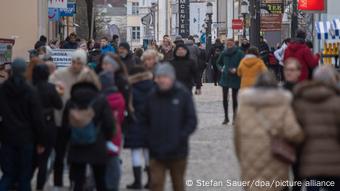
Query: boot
point(137, 184)
point(147, 170)
point(225, 122)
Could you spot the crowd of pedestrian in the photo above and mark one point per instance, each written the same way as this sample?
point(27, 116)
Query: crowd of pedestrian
point(110, 97)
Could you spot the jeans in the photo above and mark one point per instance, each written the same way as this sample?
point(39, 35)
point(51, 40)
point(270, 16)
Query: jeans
point(113, 173)
point(16, 163)
point(158, 169)
point(226, 101)
point(78, 171)
point(317, 188)
point(60, 151)
point(40, 163)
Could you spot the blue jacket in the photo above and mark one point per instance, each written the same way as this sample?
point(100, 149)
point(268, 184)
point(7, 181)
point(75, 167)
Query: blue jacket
point(108, 48)
point(169, 118)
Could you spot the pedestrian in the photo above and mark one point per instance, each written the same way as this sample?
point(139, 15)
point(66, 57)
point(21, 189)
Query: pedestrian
point(186, 69)
point(260, 109)
point(298, 49)
point(142, 84)
point(90, 123)
point(41, 42)
point(264, 50)
point(279, 53)
point(317, 106)
point(250, 68)
point(51, 101)
point(150, 58)
point(228, 62)
point(117, 105)
point(167, 49)
point(138, 52)
point(115, 41)
point(71, 42)
point(245, 45)
point(64, 79)
point(292, 72)
point(153, 45)
point(178, 40)
point(169, 119)
point(214, 54)
point(194, 51)
point(21, 132)
point(127, 57)
point(202, 60)
point(34, 60)
point(105, 46)
point(4, 72)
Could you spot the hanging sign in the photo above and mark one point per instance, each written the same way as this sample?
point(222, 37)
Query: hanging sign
point(312, 5)
point(184, 18)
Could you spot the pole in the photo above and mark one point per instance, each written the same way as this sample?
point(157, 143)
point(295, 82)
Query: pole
point(92, 22)
point(208, 33)
point(294, 25)
point(244, 26)
point(255, 27)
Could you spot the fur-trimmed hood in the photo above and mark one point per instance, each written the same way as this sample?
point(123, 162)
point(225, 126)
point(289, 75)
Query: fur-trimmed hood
point(313, 91)
point(138, 77)
point(260, 97)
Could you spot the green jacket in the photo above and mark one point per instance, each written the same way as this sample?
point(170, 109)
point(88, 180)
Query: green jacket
point(229, 59)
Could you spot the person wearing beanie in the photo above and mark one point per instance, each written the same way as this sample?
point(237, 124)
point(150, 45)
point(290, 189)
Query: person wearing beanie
point(22, 127)
point(142, 84)
point(127, 57)
point(299, 50)
point(169, 118)
point(64, 79)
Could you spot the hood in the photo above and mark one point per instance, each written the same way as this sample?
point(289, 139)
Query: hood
point(189, 42)
point(230, 51)
point(138, 77)
point(315, 91)
point(250, 60)
point(259, 97)
point(82, 93)
point(15, 87)
point(187, 56)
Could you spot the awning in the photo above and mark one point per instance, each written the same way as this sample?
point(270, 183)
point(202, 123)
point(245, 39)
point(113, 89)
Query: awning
point(324, 30)
point(336, 25)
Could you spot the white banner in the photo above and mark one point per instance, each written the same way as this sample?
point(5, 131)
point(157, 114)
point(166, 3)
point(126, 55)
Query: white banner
point(57, 4)
point(62, 57)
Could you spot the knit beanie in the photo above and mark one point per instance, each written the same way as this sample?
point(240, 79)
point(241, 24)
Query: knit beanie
point(113, 62)
point(19, 67)
point(165, 70)
point(124, 45)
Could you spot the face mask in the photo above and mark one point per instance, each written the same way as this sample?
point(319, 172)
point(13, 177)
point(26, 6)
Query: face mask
point(41, 56)
point(123, 55)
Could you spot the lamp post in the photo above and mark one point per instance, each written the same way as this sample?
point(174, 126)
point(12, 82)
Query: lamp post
point(244, 12)
point(294, 24)
point(209, 14)
point(255, 27)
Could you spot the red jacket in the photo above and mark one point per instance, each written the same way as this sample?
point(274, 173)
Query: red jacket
point(301, 52)
point(117, 105)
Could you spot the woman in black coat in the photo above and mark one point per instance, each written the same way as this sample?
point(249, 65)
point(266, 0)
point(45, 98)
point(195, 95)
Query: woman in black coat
point(85, 96)
point(50, 100)
point(142, 84)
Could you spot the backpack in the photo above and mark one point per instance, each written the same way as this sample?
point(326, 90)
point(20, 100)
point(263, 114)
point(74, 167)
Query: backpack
point(83, 128)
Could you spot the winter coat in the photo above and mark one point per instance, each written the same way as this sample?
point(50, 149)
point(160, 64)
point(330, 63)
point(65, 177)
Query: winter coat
point(169, 119)
point(229, 59)
point(215, 52)
point(252, 139)
point(194, 51)
point(249, 68)
point(168, 55)
point(130, 61)
point(142, 85)
point(317, 107)
point(186, 70)
point(82, 94)
point(70, 45)
point(300, 51)
point(106, 49)
point(21, 113)
point(117, 105)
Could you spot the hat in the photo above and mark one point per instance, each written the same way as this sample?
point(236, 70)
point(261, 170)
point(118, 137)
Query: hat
point(178, 38)
point(113, 62)
point(81, 55)
point(33, 53)
point(19, 66)
point(124, 45)
point(165, 70)
point(107, 80)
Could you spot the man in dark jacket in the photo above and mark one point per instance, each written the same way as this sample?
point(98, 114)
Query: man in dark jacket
point(214, 53)
point(42, 42)
point(186, 70)
point(170, 118)
point(127, 57)
point(228, 63)
point(21, 127)
point(71, 43)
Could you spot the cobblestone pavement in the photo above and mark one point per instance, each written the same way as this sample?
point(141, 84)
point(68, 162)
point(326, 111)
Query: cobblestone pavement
point(212, 156)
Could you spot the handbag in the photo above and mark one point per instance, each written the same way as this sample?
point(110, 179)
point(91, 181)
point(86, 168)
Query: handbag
point(280, 148)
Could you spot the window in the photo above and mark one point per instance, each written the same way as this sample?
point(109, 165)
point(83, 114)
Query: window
point(135, 33)
point(135, 8)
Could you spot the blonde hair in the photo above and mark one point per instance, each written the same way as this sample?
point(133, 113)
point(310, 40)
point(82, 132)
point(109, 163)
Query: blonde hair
point(152, 53)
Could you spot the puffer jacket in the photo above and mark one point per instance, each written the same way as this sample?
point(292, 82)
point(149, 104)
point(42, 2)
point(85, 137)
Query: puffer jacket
point(249, 68)
point(259, 108)
point(317, 107)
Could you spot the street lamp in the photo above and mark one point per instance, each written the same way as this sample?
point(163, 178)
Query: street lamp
point(244, 12)
point(209, 14)
point(255, 23)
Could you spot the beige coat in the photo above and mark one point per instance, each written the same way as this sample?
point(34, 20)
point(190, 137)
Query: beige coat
point(318, 110)
point(252, 139)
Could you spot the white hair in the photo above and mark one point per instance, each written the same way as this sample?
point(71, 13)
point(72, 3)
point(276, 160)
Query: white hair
point(80, 55)
point(326, 74)
point(152, 53)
